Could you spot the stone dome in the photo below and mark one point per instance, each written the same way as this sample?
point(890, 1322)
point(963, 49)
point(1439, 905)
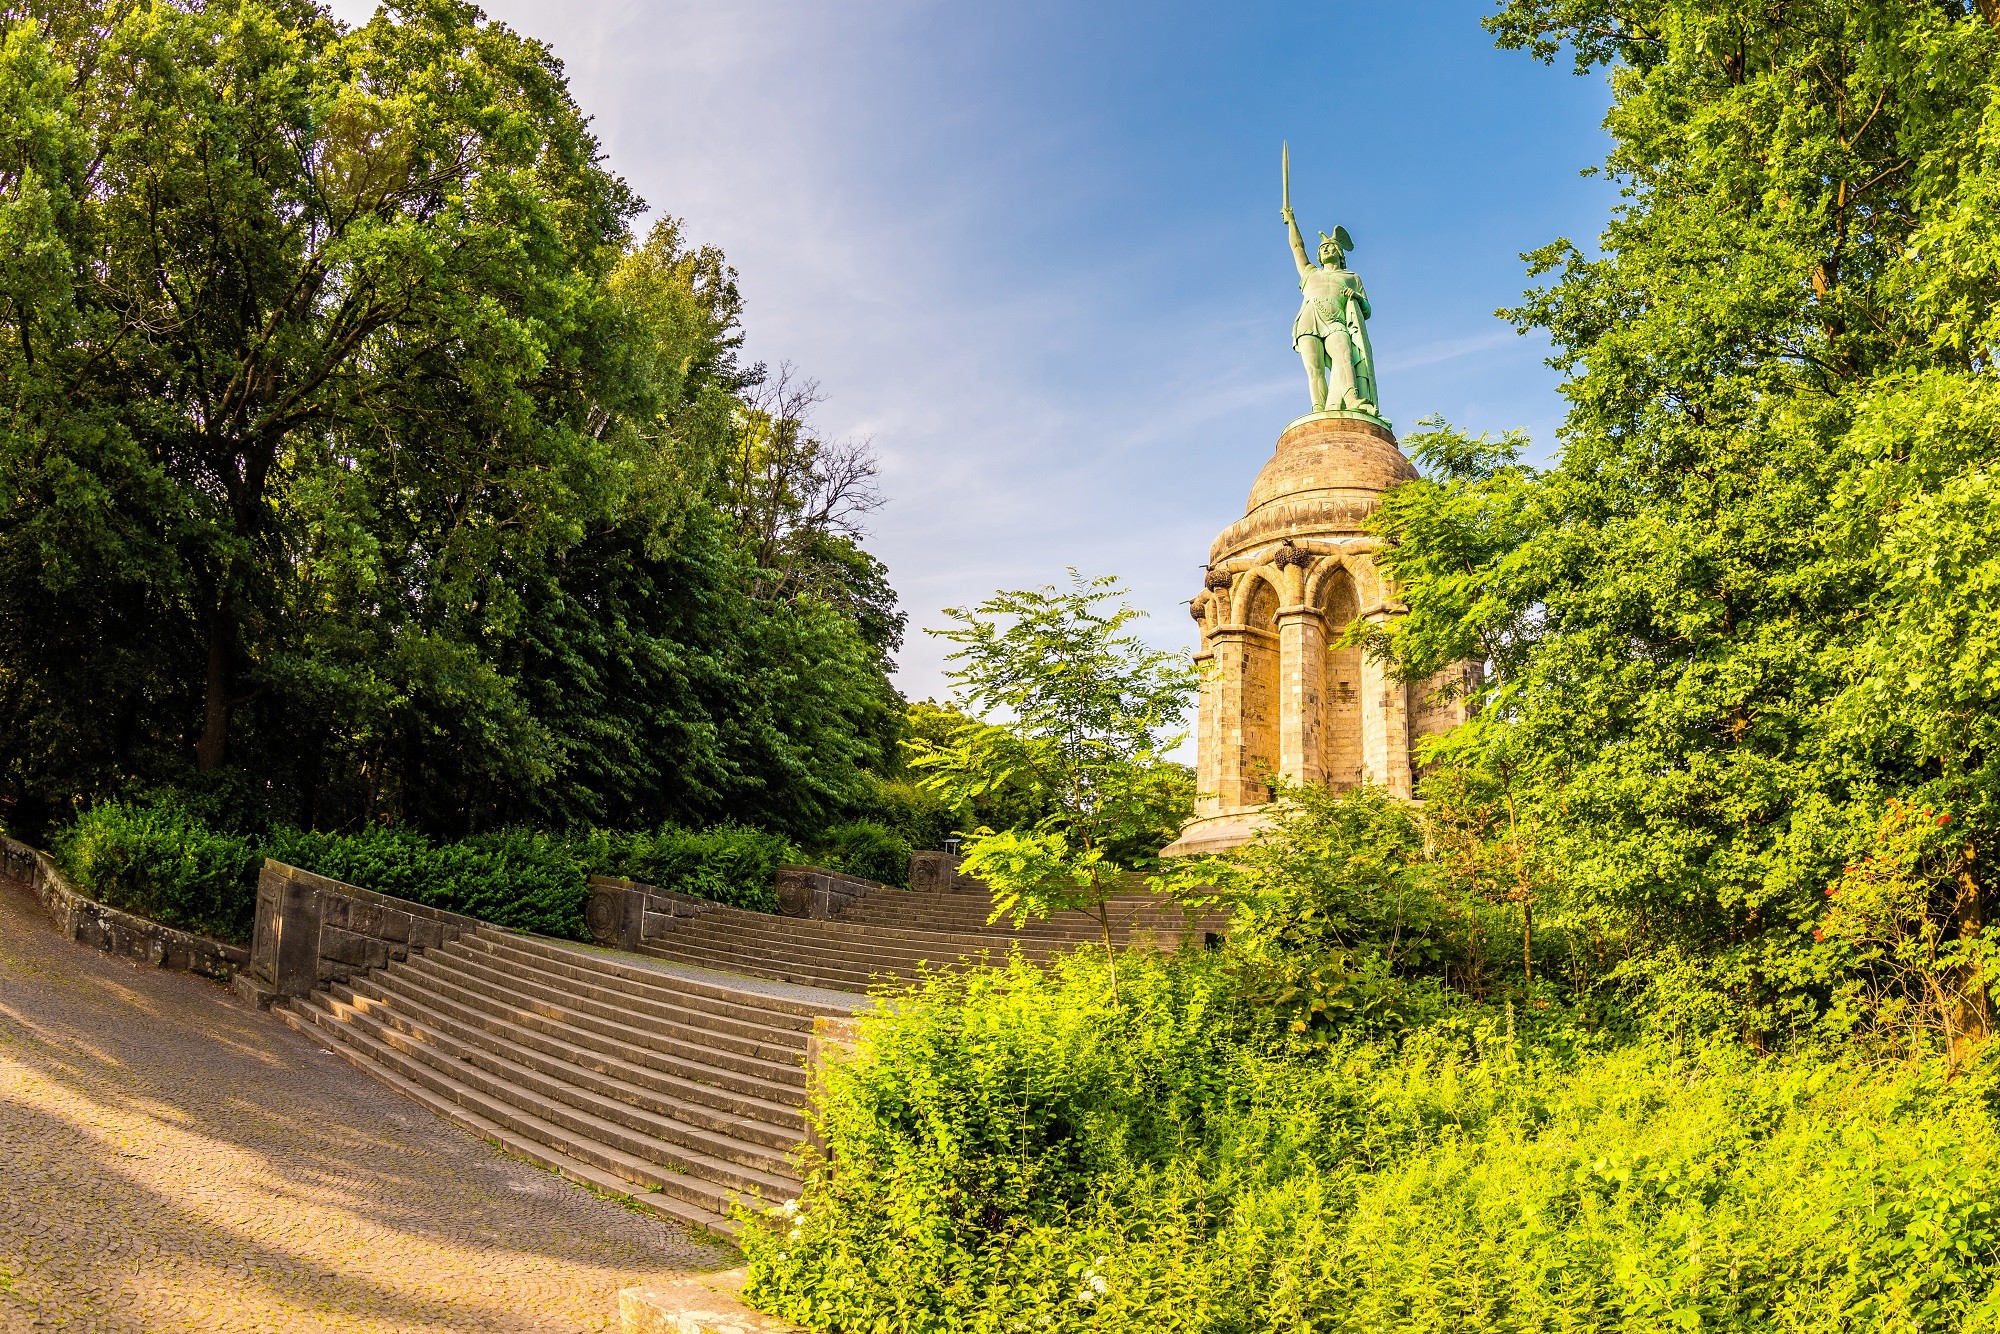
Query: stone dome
point(1326, 478)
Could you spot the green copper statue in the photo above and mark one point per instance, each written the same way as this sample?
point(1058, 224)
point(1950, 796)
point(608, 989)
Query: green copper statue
point(1331, 332)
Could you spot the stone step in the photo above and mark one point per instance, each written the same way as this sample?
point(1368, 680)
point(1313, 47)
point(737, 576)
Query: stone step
point(770, 1125)
point(590, 1118)
point(665, 1022)
point(810, 944)
point(475, 989)
point(789, 1011)
point(524, 1119)
point(651, 1177)
point(697, 1081)
point(776, 966)
point(520, 1146)
point(907, 908)
point(659, 995)
point(917, 941)
point(929, 916)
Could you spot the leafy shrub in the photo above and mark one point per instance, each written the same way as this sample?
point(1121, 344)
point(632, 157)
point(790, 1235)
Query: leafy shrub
point(161, 862)
point(868, 850)
point(916, 814)
point(1015, 1154)
point(730, 863)
point(513, 878)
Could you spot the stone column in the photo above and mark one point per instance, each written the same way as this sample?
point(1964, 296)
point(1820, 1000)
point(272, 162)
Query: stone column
point(1301, 685)
point(1207, 737)
point(1385, 725)
point(1228, 647)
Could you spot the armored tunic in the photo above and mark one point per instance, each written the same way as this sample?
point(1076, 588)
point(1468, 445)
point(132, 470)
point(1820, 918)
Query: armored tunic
point(1323, 313)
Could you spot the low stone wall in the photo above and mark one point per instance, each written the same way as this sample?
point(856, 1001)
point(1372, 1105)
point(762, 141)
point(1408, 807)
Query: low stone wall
point(621, 913)
point(699, 1304)
point(101, 927)
point(312, 930)
point(938, 873)
point(813, 891)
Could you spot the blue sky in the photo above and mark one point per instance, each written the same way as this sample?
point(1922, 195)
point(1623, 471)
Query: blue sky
point(1033, 249)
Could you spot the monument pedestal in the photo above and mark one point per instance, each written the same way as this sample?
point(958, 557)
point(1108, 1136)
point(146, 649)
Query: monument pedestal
point(1280, 698)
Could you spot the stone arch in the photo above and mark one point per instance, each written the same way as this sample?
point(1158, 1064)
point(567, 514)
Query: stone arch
point(1259, 749)
point(1341, 757)
point(1252, 588)
point(1368, 589)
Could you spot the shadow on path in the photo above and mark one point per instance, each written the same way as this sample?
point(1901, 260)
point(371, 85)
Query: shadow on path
point(177, 1160)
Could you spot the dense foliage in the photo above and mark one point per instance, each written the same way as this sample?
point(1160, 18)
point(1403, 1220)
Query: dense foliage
point(1748, 615)
point(358, 464)
point(165, 862)
point(1010, 1151)
point(1064, 715)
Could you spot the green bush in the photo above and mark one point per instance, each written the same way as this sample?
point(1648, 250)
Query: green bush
point(868, 850)
point(730, 863)
point(916, 814)
point(1015, 1154)
point(161, 862)
point(513, 878)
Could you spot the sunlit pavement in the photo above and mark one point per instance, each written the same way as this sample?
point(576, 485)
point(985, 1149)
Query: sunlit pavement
point(172, 1160)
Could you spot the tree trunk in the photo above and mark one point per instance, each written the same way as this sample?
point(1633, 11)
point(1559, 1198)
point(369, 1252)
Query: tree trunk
point(1528, 939)
point(1110, 954)
point(213, 748)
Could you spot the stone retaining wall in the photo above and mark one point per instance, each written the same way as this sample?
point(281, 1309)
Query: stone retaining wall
point(312, 930)
point(817, 893)
point(101, 927)
point(938, 873)
point(622, 913)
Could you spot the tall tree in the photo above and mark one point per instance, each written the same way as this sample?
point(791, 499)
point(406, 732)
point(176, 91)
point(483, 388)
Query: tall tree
point(1778, 366)
point(355, 456)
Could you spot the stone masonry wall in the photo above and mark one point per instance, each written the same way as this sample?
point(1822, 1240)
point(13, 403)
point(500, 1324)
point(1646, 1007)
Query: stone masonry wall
point(312, 930)
point(102, 927)
point(622, 913)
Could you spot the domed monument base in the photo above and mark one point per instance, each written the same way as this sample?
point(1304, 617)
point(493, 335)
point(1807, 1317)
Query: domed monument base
point(1280, 698)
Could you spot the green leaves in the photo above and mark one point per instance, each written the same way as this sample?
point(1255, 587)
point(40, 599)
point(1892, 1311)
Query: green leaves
point(1745, 607)
point(1078, 707)
point(348, 442)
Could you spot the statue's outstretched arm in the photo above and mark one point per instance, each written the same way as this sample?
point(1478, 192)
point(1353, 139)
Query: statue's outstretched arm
point(1298, 242)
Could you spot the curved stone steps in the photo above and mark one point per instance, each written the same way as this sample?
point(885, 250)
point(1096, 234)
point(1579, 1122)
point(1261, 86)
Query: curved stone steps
point(684, 1090)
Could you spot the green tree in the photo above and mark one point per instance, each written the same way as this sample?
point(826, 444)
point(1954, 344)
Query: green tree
point(355, 457)
point(1068, 710)
point(1706, 678)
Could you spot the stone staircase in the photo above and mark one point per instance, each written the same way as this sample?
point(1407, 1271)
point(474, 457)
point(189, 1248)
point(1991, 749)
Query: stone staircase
point(891, 934)
point(686, 1092)
point(674, 1074)
point(1134, 917)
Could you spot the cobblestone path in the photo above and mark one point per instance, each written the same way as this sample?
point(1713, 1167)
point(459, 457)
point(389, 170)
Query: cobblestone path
point(172, 1160)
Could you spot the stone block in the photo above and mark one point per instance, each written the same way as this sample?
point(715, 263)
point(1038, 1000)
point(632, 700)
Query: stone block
point(344, 947)
point(604, 912)
point(704, 1304)
point(932, 872)
point(254, 990)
